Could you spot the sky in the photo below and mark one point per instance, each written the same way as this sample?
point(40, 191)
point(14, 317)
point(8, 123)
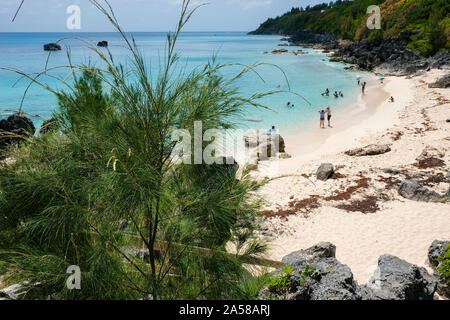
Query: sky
point(143, 15)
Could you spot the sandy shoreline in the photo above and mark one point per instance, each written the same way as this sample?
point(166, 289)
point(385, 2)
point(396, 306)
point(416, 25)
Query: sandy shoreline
point(405, 228)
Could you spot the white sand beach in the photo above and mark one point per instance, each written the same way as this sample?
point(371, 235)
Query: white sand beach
point(359, 209)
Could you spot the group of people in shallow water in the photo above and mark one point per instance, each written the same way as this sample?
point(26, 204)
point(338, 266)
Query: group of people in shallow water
point(327, 112)
point(335, 94)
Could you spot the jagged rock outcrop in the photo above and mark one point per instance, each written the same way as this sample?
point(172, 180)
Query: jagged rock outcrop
point(307, 37)
point(370, 150)
point(14, 129)
point(390, 56)
point(325, 171)
point(316, 274)
point(103, 44)
point(49, 125)
point(443, 82)
point(436, 258)
point(321, 250)
point(412, 190)
point(396, 279)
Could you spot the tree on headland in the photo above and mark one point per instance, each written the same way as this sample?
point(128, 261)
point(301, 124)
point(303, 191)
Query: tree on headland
point(428, 19)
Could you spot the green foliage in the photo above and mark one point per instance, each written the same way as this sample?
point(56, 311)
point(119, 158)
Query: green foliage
point(445, 260)
point(375, 37)
point(422, 46)
point(62, 199)
point(282, 282)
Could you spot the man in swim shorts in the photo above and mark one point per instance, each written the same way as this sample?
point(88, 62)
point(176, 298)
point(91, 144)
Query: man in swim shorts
point(329, 116)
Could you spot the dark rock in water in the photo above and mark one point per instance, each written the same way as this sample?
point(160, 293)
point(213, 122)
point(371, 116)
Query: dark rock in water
point(52, 47)
point(50, 125)
point(103, 44)
point(412, 190)
point(14, 129)
point(396, 279)
point(443, 82)
point(370, 150)
point(321, 250)
point(436, 252)
point(325, 171)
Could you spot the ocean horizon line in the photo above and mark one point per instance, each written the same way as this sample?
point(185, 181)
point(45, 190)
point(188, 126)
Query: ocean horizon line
point(126, 32)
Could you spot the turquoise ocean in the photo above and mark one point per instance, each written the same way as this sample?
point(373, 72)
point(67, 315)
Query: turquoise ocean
point(308, 75)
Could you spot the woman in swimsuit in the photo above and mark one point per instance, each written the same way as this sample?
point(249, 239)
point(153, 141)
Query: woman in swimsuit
point(322, 119)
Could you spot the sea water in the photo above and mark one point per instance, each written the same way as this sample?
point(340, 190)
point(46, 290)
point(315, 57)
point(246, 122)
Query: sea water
point(305, 75)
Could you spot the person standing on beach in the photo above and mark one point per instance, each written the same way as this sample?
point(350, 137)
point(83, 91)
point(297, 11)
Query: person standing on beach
point(364, 87)
point(329, 116)
point(322, 119)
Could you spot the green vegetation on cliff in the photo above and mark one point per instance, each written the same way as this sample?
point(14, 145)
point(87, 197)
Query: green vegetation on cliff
point(347, 20)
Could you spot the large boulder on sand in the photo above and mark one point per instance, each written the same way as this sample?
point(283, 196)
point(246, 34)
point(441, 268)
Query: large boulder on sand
point(412, 190)
point(396, 279)
point(436, 257)
point(370, 150)
point(442, 83)
point(325, 171)
point(264, 143)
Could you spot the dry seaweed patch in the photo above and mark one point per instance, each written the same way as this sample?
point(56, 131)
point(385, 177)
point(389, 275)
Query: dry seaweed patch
point(304, 206)
point(430, 158)
point(390, 182)
point(433, 180)
point(337, 175)
point(360, 184)
point(369, 204)
point(429, 162)
point(394, 135)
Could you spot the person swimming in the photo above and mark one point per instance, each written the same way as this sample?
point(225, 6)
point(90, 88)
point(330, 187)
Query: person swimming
point(336, 94)
point(341, 94)
point(322, 119)
point(288, 105)
point(326, 93)
point(273, 130)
